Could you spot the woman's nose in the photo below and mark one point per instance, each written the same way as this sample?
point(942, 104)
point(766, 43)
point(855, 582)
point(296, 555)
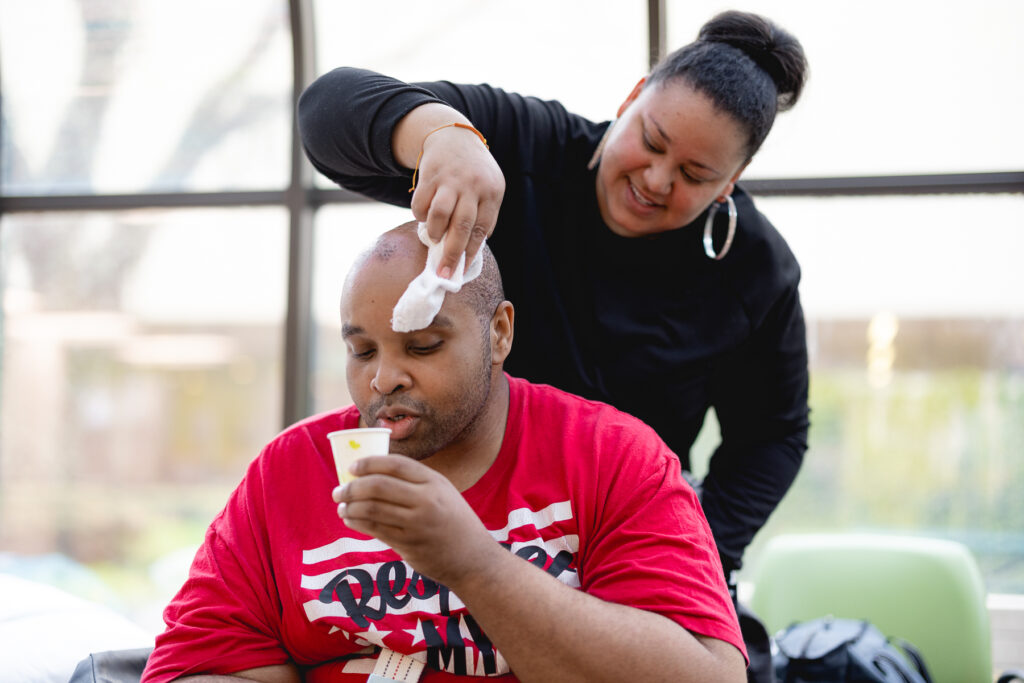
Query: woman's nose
point(659, 177)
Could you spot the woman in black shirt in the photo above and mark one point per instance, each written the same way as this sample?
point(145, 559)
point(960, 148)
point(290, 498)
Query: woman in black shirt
point(642, 275)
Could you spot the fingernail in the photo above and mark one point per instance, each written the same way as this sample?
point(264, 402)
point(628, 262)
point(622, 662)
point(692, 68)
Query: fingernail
point(446, 272)
point(338, 491)
point(341, 509)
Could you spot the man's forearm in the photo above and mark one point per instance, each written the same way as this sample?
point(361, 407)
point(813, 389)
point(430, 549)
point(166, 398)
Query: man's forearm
point(549, 631)
point(281, 673)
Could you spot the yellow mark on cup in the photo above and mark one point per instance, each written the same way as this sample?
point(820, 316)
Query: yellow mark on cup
point(346, 449)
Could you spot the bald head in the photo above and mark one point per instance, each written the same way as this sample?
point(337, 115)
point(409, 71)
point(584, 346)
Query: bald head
point(402, 245)
point(440, 387)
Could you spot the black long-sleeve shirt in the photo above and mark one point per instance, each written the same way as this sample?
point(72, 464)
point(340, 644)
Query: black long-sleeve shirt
point(650, 325)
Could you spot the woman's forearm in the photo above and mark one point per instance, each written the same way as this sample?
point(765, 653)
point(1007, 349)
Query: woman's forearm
point(346, 118)
point(410, 134)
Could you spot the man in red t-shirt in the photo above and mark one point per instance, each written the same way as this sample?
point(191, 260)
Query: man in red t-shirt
point(515, 531)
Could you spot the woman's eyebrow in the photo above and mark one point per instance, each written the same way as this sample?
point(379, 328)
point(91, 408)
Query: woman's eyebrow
point(661, 131)
point(665, 136)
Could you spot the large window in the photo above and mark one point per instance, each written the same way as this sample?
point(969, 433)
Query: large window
point(170, 268)
point(587, 55)
point(916, 331)
point(142, 345)
point(141, 372)
point(895, 87)
point(113, 96)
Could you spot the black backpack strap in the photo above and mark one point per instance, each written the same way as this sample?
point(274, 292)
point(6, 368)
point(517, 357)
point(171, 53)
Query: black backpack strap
point(1011, 675)
point(759, 647)
point(914, 655)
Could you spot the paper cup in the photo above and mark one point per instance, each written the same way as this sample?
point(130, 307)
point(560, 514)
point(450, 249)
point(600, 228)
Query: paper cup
point(348, 445)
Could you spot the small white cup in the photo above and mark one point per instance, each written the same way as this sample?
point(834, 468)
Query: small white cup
point(348, 445)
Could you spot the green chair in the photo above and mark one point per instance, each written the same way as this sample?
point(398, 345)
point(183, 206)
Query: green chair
point(926, 591)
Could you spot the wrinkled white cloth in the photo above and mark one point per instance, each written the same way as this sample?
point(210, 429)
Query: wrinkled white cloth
point(424, 296)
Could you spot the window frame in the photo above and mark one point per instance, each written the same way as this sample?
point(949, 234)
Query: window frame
point(302, 199)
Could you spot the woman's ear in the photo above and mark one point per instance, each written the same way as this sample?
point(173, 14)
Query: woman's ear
point(502, 330)
point(727, 190)
point(632, 96)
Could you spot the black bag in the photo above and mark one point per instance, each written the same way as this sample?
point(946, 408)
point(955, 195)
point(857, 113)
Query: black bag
point(758, 644)
point(115, 666)
point(840, 650)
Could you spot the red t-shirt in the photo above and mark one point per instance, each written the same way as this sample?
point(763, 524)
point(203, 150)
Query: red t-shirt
point(580, 489)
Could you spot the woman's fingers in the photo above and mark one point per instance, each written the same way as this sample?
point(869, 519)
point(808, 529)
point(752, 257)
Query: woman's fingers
point(486, 218)
point(460, 231)
point(458, 194)
point(469, 224)
point(462, 226)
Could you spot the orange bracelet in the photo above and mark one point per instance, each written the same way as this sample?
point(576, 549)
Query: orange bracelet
point(422, 144)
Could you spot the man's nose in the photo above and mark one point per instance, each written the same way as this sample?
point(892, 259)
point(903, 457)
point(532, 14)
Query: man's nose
point(391, 375)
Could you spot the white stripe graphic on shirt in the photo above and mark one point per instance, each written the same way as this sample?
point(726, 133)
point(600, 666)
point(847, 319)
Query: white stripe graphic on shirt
point(341, 547)
point(556, 512)
point(552, 546)
point(316, 609)
point(520, 517)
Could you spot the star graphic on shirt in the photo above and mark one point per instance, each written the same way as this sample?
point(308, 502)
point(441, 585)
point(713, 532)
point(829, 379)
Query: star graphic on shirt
point(373, 635)
point(416, 633)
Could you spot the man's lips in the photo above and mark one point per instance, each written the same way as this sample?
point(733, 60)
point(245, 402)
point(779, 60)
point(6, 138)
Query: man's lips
point(401, 428)
point(399, 420)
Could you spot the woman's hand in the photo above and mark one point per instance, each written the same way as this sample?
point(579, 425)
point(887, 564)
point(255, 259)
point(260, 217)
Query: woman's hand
point(459, 186)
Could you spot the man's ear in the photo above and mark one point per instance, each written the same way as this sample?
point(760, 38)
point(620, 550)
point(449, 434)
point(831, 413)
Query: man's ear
point(502, 329)
point(632, 96)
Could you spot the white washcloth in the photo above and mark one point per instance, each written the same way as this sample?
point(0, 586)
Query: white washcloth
point(425, 294)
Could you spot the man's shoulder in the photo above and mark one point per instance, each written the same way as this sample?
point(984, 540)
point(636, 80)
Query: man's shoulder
point(554, 408)
point(586, 440)
point(546, 394)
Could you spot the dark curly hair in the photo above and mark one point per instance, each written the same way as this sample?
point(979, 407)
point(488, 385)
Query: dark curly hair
point(746, 65)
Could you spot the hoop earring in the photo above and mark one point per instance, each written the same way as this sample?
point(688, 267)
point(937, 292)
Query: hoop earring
point(709, 224)
point(600, 148)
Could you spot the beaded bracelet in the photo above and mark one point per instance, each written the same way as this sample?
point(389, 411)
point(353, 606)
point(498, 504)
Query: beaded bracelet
point(422, 144)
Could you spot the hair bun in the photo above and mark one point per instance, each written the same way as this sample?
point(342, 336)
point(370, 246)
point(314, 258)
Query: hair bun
point(772, 48)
